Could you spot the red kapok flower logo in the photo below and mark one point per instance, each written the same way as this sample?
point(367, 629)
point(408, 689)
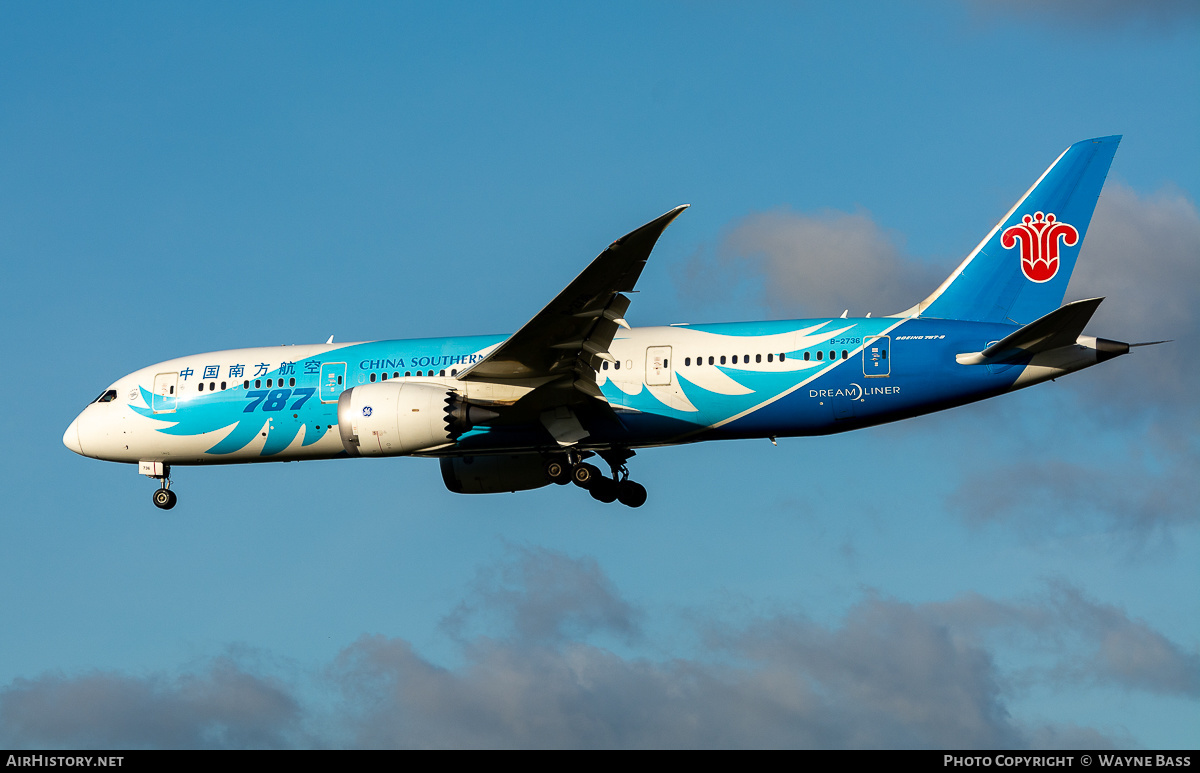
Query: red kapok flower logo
point(1039, 235)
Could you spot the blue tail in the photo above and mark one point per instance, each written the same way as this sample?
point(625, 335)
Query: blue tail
point(1020, 271)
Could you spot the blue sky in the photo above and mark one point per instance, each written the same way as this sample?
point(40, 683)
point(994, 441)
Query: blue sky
point(1019, 573)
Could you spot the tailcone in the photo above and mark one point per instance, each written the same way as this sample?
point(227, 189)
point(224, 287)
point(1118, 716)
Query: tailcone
point(1107, 349)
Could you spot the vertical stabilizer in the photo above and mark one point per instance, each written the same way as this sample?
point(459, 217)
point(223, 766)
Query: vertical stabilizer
point(1020, 271)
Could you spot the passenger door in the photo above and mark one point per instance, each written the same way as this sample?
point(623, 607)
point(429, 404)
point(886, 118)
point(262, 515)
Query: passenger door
point(333, 381)
point(164, 397)
point(877, 361)
point(658, 366)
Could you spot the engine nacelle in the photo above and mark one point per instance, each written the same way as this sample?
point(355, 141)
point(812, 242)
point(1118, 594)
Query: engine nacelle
point(391, 418)
point(494, 474)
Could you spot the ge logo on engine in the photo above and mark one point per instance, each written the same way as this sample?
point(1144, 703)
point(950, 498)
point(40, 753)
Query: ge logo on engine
point(366, 410)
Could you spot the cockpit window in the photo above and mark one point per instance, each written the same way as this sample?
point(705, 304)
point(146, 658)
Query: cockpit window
point(107, 397)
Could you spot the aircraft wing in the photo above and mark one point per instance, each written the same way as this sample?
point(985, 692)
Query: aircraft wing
point(571, 336)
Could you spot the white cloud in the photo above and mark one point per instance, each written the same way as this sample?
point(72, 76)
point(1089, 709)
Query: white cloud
point(544, 596)
point(889, 675)
point(222, 706)
point(1090, 643)
point(815, 264)
point(1145, 497)
point(1143, 254)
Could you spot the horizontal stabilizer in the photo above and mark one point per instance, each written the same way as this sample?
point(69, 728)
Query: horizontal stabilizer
point(1061, 327)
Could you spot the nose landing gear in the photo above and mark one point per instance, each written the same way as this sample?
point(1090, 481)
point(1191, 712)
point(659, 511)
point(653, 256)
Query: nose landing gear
point(164, 498)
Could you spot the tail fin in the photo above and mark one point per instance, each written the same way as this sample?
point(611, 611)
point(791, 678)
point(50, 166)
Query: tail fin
point(1020, 271)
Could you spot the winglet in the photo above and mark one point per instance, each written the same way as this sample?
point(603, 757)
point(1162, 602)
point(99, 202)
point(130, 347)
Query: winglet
point(574, 330)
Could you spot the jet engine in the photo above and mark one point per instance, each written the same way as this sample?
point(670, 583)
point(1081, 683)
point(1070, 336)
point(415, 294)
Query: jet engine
point(393, 418)
point(397, 417)
point(494, 474)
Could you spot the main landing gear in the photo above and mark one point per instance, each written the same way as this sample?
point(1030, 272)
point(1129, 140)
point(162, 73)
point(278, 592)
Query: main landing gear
point(618, 488)
point(164, 498)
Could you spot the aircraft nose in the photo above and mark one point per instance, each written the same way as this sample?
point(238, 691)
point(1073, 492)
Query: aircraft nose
point(71, 438)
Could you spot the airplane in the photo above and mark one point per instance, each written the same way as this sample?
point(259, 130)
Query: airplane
point(577, 384)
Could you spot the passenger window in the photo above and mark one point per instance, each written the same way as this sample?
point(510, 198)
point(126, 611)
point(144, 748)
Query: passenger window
point(687, 361)
point(442, 373)
point(291, 382)
point(407, 373)
point(770, 358)
point(722, 359)
point(384, 377)
point(258, 383)
point(246, 384)
point(782, 356)
point(604, 365)
point(339, 380)
point(372, 379)
point(820, 356)
point(806, 357)
point(200, 387)
point(832, 355)
point(845, 354)
point(758, 358)
point(617, 365)
point(735, 359)
point(710, 360)
point(212, 386)
point(454, 371)
point(222, 386)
